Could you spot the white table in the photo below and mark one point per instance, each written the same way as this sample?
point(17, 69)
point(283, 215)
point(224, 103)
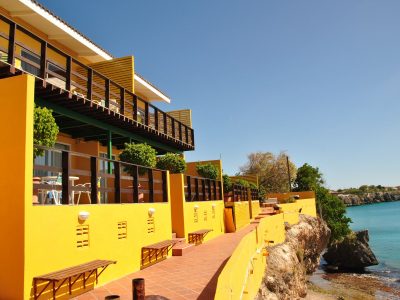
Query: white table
point(53, 179)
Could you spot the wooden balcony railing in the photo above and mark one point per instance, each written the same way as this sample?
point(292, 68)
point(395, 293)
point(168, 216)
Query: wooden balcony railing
point(254, 194)
point(202, 189)
point(23, 50)
point(66, 177)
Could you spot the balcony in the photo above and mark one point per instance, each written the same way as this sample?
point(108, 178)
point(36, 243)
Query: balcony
point(66, 84)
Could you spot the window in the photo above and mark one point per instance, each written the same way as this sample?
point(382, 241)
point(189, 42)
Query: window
point(34, 58)
point(104, 168)
point(50, 159)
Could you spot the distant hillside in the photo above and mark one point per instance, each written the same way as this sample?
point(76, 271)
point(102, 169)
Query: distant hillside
point(369, 198)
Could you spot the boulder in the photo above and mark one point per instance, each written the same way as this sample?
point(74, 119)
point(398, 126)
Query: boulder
point(289, 263)
point(352, 253)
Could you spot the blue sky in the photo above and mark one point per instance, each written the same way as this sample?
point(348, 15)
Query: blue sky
point(318, 79)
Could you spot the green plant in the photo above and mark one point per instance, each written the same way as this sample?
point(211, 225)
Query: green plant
point(207, 171)
point(329, 207)
point(243, 183)
point(261, 192)
point(253, 186)
point(45, 129)
point(227, 182)
point(138, 154)
point(172, 162)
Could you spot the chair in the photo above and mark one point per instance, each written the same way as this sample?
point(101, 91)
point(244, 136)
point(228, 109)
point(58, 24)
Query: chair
point(88, 186)
point(53, 193)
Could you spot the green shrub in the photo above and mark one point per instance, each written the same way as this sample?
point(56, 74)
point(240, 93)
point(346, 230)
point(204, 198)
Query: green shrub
point(172, 162)
point(45, 129)
point(227, 182)
point(208, 171)
point(138, 154)
point(253, 186)
point(261, 192)
point(243, 183)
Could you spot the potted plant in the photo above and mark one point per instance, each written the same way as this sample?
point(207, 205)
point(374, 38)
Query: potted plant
point(208, 171)
point(227, 183)
point(138, 154)
point(172, 162)
point(45, 131)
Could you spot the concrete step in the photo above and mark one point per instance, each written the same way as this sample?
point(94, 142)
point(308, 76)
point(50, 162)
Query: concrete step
point(179, 240)
point(182, 248)
point(173, 235)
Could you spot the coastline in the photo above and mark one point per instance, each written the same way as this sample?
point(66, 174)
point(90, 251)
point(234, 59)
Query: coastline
point(369, 198)
point(322, 285)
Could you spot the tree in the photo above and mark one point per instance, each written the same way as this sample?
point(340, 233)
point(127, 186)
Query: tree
point(138, 154)
point(45, 129)
point(172, 162)
point(330, 208)
point(271, 169)
point(208, 171)
point(308, 178)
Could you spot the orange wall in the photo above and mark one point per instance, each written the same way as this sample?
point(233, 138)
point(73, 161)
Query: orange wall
point(16, 160)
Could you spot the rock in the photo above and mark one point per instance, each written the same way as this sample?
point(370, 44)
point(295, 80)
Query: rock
point(352, 253)
point(290, 262)
point(369, 198)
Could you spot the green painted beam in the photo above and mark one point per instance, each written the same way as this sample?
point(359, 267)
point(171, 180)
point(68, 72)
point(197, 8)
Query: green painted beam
point(85, 119)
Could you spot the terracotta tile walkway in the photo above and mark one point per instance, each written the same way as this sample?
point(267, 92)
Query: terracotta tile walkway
point(191, 276)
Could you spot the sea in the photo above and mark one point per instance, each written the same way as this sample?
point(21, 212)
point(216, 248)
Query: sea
point(383, 223)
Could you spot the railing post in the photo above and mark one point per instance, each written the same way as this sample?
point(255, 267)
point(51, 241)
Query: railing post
point(135, 107)
point(11, 43)
point(117, 181)
point(192, 135)
point(164, 186)
point(215, 190)
point(107, 92)
point(93, 180)
point(68, 74)
point(220, 196)
point(196, 188)
point(89, 84)
point(146, 113)
point(180, 131)
point(156, 118)
point(43, 60)
point(203, 187)
point(173, 127)
point(135, 175)
point(151, 184)
point(122, 101)
point(165, 123)
point(187, 134)
point(209, 189)
point(189, 188)
point(65, 177)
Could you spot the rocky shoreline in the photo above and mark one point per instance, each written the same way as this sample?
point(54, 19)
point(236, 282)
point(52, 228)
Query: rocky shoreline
point(350, 286)
point(290, 263)
point(369, 198)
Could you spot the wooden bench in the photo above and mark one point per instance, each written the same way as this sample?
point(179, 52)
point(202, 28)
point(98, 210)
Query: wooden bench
point(157, 250)
point(58, 278)
point(197, 237)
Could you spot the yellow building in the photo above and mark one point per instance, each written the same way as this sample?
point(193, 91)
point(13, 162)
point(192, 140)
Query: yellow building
point(77, 203)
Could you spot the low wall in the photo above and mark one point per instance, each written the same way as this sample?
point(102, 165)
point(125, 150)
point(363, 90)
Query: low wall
point(243, 273)
point(241, 214)
point(191, 216)
point(56, 239)
point(255, 208)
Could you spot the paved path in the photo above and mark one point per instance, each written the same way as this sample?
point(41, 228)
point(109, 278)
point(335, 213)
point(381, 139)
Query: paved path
point(191, 276)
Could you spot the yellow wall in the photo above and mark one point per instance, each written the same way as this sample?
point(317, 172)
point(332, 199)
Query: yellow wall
point(255, 208)
point(241, 213)
point(242, 275)
point(187, 219)
point(16, 96)
point(281, 197)
point(52, 241)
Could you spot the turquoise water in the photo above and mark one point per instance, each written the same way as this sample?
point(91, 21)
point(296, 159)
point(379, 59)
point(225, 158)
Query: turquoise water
point(383, 223)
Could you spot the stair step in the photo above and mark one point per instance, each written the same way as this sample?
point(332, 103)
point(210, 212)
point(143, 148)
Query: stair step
point(182, 248)
point(179, 240)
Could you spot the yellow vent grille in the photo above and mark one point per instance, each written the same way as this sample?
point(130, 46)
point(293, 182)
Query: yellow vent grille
point(151, 227)
point(122, 230)
point(82, 236)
